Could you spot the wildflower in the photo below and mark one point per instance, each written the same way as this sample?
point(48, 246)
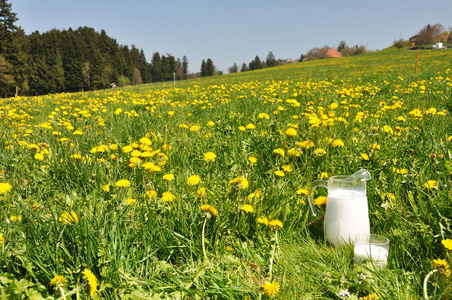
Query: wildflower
point(58, 282)
point(2, 239)
point(35, 206)
point(430, 184)
point(106, 188)
point(280, 173)
point(78, 132)
point(247, 208)
point(193, 180)
point(150, 194)
point(319, 152)
point(321, 200)
point(201, 192)
point(364, 156)
point(371, 297)
point(256, 194)
point(131, 201)
point(303, 192)
point(344, 293)
point(374, 146)
point(447, 243)
point(127, 149)
point(209, 210)
point(195, 128)
point(250, 126)
point(252, 159)
point(306, 144)
point(291, 132)
point(5, 187)
point(295, 152)
point(91, 280)
point(401, 119)
point(279, 151)
point(263, 220)
point(123, 183)
point(337, 143)
point(275, 224)
point(69, 217)
point(210, 156)
point(39, 156)
point(263, 116)
point(242, 182)
point(168, 177)
point(270, 288)
point(287, 168)
point(16, 219)
point(210, 123)
point(443, 266)
point(323, 175)
point(242, 128)
point(168, 197)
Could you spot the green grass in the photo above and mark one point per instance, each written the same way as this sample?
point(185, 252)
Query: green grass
point(139, 246)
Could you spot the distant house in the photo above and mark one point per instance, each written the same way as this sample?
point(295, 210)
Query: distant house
point(413, 40)
point(333, 53)
point(289, 61)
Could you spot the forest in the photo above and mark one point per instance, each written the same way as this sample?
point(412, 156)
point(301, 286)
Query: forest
point(74, 60)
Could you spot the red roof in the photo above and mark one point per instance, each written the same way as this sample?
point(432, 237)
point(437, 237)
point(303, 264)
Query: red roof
point(333, 53)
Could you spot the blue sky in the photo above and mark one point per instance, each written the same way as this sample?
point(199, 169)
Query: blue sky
point(235, 31)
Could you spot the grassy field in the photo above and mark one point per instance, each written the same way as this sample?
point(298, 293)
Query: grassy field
point(199, 191)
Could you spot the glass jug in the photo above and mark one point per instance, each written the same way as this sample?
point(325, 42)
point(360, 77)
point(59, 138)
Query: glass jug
point(346, 212)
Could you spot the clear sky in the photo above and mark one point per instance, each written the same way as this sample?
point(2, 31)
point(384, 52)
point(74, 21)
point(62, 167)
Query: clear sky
point(235, 31)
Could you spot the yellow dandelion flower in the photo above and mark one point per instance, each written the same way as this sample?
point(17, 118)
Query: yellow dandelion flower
point(430, 184)
point(201, 192)
point(127, 149)
point(263, 116)
point(16, 219)
point(303, 192)
point(69, 217)
point(307, 144)
point(123, 183)
point(210, 156)
point(277, 224)
point(58, 282)
point(319, 152)
point(323, 175)
point(241, 182)
point(321, 200)
point(279, 151)
point(364, 156)
point(372, 296)
point(39, 156)
point(2, 239)
point(168, 197)
point(168, 177)
point(210, 123)
point(263, 220)
point(210, 210)
point(91, 280)
point(248, 208)
point(106, 188)
point(150, 194)
point(280, 173)
point(195, 128)
point(271, 289)
point(447, 243)
point(291, 132)
point(194, 180)
point(131, 201)
point(443, 266)
point(242, 128)
point(337, 143)
point(250, 126)
point(145, 141)
point(287, 168)
point(5, 187)
point(252, 159)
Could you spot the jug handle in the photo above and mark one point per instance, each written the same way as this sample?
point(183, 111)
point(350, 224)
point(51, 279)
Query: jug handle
point(315, 184)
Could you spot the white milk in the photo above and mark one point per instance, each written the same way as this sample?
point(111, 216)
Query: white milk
point(346, 215)
point(376, 253)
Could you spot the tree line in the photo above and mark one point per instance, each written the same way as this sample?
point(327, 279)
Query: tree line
point(73, 60)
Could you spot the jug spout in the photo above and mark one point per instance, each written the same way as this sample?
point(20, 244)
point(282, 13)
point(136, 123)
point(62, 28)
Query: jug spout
point(359, 175)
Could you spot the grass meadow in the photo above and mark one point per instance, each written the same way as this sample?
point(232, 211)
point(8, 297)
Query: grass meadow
point(200, 191)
